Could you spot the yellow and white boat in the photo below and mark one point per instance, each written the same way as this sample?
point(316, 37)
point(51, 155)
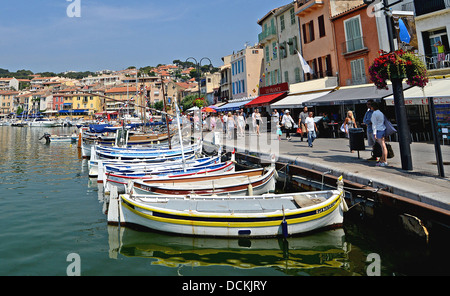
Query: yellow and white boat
point(267, 215)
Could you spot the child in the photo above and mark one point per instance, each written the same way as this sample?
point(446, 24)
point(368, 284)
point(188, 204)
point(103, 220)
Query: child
point(279, 133)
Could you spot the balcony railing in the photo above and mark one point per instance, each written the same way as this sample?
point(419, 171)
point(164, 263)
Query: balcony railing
point(272, 30)
point(353, 45)
point(427, 6)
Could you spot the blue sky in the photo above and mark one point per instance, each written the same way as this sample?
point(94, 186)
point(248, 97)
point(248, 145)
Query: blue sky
point(112, 34)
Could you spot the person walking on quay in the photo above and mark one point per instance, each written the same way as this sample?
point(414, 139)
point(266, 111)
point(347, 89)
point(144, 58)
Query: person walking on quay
point(288, 123)
point(230, 126)
point(368, 122)
point(275, 117)
point(301, 121)
point(258, 121)
point(241, 124)
point(311, 129)
point(379, 132)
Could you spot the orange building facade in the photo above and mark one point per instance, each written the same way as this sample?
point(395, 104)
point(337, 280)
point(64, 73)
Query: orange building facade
point(357, 44)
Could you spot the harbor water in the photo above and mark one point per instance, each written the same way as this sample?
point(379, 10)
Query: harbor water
point(50, 210)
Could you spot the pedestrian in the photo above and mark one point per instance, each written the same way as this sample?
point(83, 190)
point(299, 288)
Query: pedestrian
point(301, 122)
point(275, 117)
point(441, 53)
point(241, 124)
point(349, 123)
point(311, 129)
point(379, 131)
point(224, 120)
point(279, 133)
point(288, 123)
point(368, 122)
point(258, 121)
point(212, 122)
point(230, 126)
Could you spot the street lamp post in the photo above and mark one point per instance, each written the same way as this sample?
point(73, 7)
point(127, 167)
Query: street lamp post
point(198, 65)
point(399, 102)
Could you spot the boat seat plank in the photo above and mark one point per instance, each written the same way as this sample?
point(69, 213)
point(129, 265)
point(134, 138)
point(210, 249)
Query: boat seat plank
point(277, 204)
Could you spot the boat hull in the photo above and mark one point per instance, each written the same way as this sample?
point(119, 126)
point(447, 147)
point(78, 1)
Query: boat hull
point(226, 185)
point(194, 220)
point(121, 181)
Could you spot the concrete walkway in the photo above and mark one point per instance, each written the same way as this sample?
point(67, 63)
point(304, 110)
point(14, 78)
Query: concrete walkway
point(327, 154)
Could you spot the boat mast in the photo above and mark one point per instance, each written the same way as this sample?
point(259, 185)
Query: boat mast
point(165, 111)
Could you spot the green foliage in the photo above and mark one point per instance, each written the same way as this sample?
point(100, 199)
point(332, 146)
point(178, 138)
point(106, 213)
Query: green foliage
point(188, 101)
point(159, 105)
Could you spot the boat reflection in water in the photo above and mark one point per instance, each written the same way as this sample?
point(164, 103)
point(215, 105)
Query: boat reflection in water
point(321, 251)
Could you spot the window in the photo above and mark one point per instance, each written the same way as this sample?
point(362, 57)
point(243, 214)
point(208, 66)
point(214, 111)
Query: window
point(293, 45)
point(305, 38)
point(358, 71)
point(308, 32)
point(329, 71)
point(321, 22)
point(274, 50)
point(243, 86)
point(353, 34)
point(267, 54)
point(319, 62)
point(311, 31)
point(292, 16)
point(282, 25)
point(297, 74)
point(286, 76)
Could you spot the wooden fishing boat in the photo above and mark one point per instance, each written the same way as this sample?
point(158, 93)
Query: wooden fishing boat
point(151, 154)
point(248, 182)
point(93, 164)
point(122, 180)
point(267, 215)
point(153, 169)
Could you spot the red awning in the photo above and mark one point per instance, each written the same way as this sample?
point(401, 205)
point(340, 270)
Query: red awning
point(265, 100)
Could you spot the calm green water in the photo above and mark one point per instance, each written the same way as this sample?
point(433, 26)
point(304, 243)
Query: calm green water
point(50, 209)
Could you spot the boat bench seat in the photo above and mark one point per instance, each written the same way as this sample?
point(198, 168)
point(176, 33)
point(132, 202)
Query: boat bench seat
point(232, 206)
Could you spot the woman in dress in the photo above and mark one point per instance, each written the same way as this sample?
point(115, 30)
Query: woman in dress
point(241, 124)
point(230, 126)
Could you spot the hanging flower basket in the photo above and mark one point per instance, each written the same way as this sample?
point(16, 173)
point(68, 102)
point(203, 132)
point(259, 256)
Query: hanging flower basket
point(398, 64)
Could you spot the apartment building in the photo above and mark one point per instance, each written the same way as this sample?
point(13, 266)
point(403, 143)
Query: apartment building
point(317, 42)
point(357, 43)
point(280, 39)
point(246, 72)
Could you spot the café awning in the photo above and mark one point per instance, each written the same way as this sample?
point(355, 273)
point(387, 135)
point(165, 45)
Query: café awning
point(232, 106)
point(357, 94)
point(297, 100)
point(265, 100)
point(435, 88)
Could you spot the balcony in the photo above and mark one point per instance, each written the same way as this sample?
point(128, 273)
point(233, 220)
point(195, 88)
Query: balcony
point(267, 34)
point(306, 6)
point(428, 6)
point(354, 46)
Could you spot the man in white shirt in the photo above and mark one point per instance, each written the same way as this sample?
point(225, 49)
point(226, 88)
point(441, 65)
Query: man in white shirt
point(311, 129)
